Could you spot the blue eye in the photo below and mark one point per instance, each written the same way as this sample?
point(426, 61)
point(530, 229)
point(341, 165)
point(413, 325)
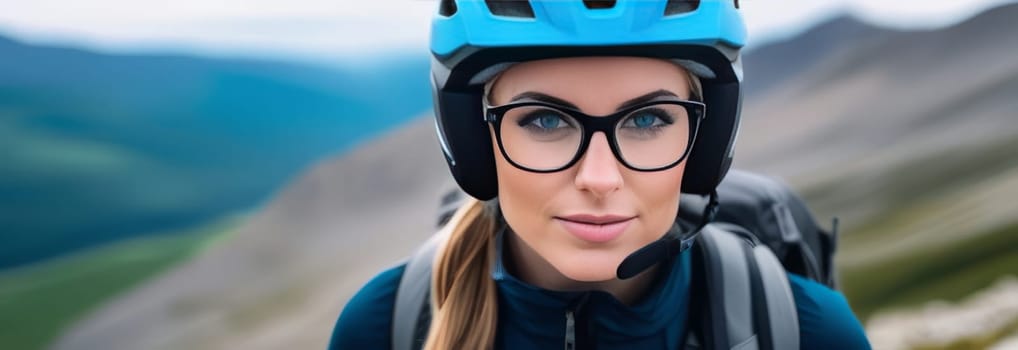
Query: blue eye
point(549, 121)
point(645, 120)
point(545, 120)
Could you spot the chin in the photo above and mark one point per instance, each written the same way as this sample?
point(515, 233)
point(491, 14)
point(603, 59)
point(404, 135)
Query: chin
point(590, 266)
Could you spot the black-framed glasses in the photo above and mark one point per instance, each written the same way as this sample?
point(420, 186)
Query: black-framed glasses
point(543, 137)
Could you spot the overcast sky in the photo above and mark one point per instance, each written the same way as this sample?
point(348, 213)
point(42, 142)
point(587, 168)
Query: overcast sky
point(326, 29)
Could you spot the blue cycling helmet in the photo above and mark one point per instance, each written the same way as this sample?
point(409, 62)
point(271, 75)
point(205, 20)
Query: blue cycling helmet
point(471, 38)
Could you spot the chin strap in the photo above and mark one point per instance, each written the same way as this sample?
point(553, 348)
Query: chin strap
point(673, 243)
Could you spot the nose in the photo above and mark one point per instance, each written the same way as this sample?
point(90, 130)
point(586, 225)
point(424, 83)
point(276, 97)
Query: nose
point(598, 171)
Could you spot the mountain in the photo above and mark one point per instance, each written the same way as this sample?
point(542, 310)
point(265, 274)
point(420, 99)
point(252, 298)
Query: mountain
point(932, 107)
point(99, 147)
point(289, 269)
point(909, 137)
point(769, 65)
point(911, 141)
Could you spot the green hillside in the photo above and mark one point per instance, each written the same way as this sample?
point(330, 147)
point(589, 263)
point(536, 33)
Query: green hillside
point(38, 302)
point(96, 147)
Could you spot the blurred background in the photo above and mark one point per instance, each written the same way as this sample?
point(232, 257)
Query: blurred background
point(206, 175)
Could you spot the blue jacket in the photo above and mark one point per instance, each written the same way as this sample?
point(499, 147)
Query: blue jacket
point(533, 318)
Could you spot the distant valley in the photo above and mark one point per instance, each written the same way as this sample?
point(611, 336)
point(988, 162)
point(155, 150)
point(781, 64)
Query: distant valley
point(102, 147)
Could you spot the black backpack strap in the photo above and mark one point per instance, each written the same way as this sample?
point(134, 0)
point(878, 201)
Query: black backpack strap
point(729, 295)
point(412, 312)
point(746, 302)
point(777, 319)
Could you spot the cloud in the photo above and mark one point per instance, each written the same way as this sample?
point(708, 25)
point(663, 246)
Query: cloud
point(302, 26)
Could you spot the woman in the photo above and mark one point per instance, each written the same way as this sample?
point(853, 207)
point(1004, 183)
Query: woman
point(579, 124)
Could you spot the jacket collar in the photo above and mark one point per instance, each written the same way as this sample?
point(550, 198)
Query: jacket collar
point(540, 312)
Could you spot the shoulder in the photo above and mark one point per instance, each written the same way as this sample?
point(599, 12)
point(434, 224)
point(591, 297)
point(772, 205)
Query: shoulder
point(825, 319)
point(366, 320)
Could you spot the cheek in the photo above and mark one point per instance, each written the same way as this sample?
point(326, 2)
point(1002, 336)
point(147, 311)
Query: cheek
point(524, 195)
point(658, 194)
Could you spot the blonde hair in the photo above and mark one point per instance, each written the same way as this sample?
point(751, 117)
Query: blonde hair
point(695, 87)
point(464, 301)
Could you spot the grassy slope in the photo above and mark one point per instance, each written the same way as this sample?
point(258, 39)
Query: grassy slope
point(945, 272)
point(37, 302)
point(917, 191)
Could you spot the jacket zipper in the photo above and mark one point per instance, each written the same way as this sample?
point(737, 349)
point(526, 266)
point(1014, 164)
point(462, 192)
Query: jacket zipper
point(577, 310)
point(570, 331)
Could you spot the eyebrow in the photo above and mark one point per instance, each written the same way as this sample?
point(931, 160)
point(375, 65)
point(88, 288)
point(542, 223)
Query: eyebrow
point(533, 95)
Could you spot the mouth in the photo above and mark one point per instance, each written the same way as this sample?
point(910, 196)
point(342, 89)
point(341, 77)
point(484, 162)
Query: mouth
point(595, 228)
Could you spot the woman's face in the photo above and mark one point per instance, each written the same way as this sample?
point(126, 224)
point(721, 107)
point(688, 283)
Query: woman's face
point(584, 220)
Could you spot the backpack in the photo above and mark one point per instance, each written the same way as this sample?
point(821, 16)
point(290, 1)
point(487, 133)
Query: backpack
point(761, 230)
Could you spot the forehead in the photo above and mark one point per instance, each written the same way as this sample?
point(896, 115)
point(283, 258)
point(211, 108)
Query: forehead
point(595, 84)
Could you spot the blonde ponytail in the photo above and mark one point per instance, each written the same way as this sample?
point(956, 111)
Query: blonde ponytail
point(464, 300)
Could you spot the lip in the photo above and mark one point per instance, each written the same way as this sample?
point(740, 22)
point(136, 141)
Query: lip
point(595, 228)
point(595, 219)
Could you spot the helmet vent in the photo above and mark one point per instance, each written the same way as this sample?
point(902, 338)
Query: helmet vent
point(510, 8)
point(447, 8)
point(598, 4)
point(675, 7)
